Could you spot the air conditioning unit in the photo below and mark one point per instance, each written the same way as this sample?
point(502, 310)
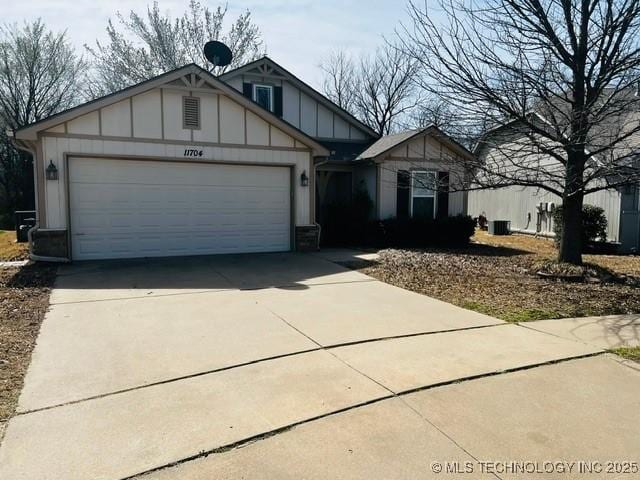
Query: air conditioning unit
point(499, 227)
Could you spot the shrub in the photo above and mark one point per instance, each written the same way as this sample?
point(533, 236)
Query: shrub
point(594, 224)
point(416, 233)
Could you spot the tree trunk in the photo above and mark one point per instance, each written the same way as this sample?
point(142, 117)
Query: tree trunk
point(570, 250)
point(571, 242)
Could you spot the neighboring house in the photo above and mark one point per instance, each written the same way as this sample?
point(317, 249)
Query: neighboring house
point(188, 163)
point(530, 209)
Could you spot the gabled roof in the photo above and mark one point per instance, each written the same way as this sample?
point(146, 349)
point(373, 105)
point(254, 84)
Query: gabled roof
point(387, 143)
point(30, 132)
point(390, 142)
point(306, 88)
point(480, 143)
point(614, 125)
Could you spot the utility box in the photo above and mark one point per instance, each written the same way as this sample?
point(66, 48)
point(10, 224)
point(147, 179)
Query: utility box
point(499, 227)
point(25, 220)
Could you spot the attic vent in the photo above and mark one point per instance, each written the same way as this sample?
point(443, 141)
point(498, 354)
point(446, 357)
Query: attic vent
point(191, 112)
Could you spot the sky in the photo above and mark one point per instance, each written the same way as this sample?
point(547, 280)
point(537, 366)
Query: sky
point(297, 34)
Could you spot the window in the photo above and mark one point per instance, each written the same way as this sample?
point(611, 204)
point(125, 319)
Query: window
point(191, 113)
point(423, 194)
point(263, 96)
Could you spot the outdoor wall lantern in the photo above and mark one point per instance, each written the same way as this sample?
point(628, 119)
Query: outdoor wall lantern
point(52, 171)
point(304, 180)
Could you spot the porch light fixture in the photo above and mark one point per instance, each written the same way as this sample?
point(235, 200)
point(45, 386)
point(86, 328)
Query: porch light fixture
point(52, 171)
point(304, 180)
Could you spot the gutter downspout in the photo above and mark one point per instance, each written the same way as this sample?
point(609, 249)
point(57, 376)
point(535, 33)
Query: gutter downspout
point(25, 147)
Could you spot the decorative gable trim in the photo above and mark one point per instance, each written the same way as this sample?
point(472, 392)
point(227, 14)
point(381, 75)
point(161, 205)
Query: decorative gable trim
point(190, 77)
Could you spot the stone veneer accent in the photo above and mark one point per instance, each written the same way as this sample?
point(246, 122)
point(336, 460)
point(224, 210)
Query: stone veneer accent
point(50, 243)
point(307, 238)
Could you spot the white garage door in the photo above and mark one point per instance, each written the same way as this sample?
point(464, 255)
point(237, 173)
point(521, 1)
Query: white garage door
point(127, 209)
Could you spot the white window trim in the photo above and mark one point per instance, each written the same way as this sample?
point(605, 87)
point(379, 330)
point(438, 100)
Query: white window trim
point(263, 85)
point(433, 194)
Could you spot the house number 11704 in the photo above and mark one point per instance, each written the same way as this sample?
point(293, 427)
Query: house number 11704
point(192, 152)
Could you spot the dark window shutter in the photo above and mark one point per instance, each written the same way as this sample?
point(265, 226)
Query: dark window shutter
point(277, 101)
point(403, 190)
point(443, 195)
point(247, 90)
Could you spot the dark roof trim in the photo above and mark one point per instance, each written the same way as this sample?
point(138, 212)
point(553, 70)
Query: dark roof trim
point(305, 86)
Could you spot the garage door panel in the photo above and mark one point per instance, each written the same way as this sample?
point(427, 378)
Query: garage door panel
point(122, 208)
point(175, 173)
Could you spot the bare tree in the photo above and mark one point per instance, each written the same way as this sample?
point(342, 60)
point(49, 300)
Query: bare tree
point(40, 74)
point(339, 79)
point(377, 88)
point(434, 111)
point(140, 48)
point(563, 73)
point(385, 89)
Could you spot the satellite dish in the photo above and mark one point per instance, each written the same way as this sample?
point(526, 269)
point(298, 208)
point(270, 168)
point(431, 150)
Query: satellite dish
point(218, 53)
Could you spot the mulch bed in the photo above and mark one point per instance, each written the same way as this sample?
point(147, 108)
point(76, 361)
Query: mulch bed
point(24, 299)
point(503, 282)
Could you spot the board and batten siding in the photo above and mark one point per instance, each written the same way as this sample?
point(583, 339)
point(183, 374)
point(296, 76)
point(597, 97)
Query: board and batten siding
point(422, 153)
point(305, 112)
point(150, 125)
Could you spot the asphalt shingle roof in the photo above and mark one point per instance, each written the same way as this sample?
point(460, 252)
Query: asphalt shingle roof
point(386, 143)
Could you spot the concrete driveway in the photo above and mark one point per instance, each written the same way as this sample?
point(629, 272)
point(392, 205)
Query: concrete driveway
point(167, 367)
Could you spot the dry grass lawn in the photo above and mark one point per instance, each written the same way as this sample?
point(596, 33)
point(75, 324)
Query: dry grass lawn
point(496, 275)
point(545, 248)
point(10, 250)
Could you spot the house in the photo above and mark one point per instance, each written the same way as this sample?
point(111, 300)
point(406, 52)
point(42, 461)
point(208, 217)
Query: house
point(188, 163)
point(530, 209)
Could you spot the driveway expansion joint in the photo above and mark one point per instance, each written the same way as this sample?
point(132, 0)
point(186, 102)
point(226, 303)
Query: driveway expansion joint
point(398, 395)
point(409, 335)
point(255, 438)
point(320, 347)
point(164, 382)
point(501, 372)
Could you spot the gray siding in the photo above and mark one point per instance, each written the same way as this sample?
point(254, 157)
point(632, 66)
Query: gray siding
point(519, 205)
point(508, 149)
